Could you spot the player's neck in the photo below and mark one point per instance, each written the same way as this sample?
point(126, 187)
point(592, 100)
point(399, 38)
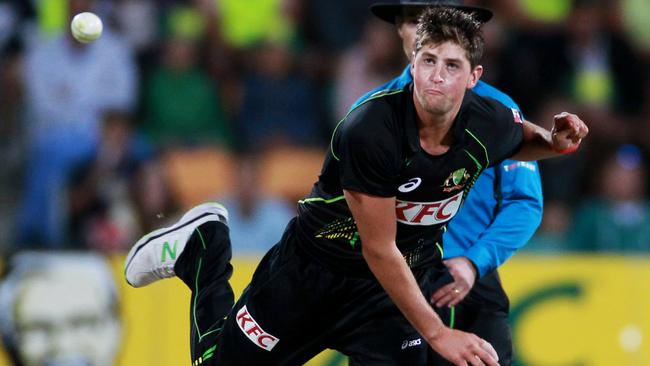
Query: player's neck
point(435, 130)
point(435, 141)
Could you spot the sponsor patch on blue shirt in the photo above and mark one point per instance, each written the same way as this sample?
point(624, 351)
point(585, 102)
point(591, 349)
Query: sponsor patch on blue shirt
point(520, 164)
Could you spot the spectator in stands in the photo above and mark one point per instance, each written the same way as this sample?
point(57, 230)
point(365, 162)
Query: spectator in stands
point(280, 104)
point(618, 219)
point(68, 85)
point(552, 233)
point(181, 105)
point(582, 58)
point(153, 200)
point(102, 213)
point(245, 24)
point(12, 140)
point(256, 221)
point(375, 58)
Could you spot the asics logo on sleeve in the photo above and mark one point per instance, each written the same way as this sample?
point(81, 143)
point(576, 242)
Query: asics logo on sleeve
point(411, 185)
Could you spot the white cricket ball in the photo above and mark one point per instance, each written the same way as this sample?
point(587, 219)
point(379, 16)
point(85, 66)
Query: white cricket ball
point(86, 27)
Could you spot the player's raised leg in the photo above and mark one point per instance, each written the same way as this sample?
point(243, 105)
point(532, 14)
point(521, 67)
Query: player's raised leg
point(154, 256)
point(197, 250)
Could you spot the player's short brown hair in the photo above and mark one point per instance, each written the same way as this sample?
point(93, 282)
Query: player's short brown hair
point(438, 25)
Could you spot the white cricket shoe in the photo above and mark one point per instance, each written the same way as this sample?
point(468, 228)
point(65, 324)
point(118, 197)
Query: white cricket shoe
point(153, 257)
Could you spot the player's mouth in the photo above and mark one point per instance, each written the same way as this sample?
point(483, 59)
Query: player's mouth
point(433, 92)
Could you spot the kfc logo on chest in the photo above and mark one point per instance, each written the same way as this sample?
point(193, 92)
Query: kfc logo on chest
point(428, 213)
point(254, 332)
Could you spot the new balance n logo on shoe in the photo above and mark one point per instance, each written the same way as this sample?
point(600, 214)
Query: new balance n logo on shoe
point(167, 250)
point(154, 256)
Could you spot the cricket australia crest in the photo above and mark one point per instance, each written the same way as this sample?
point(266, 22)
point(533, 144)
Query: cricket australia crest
point(456, 180)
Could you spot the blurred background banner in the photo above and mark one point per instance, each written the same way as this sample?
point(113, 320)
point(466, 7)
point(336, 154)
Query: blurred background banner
point(184, 101)
point(580, 309)
point(571, 310)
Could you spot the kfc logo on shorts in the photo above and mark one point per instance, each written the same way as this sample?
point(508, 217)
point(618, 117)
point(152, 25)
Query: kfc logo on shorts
point(254, 332)
point(428, 213)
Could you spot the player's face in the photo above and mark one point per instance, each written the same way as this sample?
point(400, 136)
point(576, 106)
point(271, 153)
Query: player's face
point(441, 75)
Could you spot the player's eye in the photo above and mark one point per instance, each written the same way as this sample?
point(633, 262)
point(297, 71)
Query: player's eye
point(452, 66)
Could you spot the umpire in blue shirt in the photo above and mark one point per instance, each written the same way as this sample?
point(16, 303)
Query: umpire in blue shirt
point(500, 215)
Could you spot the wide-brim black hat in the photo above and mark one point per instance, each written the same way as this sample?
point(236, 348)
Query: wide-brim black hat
point(389, 10)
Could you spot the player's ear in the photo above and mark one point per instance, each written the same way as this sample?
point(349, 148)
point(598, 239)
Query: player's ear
point(474, 76)
point(398, 24)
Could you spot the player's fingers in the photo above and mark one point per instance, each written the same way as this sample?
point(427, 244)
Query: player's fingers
point(442, 292)
point(457, 299)
point(476, 361)
point(562, 121)
point(566, 121)
point(445, 300)
point(438, 295)
point(584, 130)
point(560, 115)
point(486, 358)
point(486, 346)
point(580, 132)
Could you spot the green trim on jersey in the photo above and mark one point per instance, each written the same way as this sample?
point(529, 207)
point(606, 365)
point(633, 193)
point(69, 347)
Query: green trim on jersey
point(487, 158)
point(379, 94)
point(320, 199)
point(474, 177)
point(480, 167)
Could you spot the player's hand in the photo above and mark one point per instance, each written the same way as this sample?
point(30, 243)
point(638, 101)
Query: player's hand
point(568, 131)
point(464, 274)
point(463, 349)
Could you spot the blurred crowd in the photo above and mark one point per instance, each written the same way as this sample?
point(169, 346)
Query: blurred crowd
point(184, 101)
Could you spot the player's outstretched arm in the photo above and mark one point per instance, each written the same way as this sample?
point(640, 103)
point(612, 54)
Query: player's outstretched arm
point(540, 143)
point(376, 222)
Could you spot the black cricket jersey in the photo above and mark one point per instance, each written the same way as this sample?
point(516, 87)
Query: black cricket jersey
point(376, 150)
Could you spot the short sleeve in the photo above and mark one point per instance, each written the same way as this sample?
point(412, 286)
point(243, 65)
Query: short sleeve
point(507, 132)
point(366, 145)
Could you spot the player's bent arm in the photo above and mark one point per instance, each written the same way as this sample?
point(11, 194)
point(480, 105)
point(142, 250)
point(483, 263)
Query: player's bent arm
point(376, 222)
point(540, 143)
